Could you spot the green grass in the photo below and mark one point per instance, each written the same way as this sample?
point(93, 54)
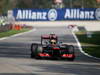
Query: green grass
point(90, 45)
point(12, 32)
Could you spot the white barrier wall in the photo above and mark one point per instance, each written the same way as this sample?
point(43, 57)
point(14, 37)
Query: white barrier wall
point(89, 25)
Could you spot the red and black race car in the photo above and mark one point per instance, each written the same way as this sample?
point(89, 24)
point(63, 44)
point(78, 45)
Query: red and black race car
point(51, 48)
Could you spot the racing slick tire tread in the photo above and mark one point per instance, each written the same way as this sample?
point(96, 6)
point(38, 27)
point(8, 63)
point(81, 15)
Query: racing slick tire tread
point(71, 51)
point(33, 49)
point(38, 50)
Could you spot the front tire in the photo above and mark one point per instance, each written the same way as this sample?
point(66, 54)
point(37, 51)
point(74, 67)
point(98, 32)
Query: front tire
point(38, 50)
point(33, 49)
point(71, 51)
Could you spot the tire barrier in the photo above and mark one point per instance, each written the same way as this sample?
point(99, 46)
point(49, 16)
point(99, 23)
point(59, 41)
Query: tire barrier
point(13, 27)
point(5, 28)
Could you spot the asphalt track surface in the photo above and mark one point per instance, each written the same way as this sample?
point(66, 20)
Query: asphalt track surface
point(15, 56)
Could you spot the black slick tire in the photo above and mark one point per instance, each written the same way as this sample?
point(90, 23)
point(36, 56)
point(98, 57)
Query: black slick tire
point(33, 49)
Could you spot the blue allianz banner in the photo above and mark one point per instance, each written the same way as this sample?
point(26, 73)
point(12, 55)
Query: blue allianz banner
point(56, 14)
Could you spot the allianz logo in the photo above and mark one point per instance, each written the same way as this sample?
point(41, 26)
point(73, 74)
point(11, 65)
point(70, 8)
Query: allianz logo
point(28, 14)
point(36, 15)
point(78, 14)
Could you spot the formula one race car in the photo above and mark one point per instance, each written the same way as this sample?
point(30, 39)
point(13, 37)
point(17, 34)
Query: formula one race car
point(51, 48)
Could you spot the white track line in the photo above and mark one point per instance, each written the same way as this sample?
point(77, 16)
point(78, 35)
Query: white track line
point(15, 35)
point(80, 48)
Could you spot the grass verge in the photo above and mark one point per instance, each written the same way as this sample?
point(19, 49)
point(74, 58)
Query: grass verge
point(90, 45)
point(12, 32)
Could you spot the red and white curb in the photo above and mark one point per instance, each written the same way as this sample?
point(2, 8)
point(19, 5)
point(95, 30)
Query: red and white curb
point(15, 35)
point(80, 47)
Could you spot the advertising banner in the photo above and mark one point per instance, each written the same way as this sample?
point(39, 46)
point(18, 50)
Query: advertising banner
point(56, 14)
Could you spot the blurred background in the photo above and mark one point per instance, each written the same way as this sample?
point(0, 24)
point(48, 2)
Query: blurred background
point(6, 5)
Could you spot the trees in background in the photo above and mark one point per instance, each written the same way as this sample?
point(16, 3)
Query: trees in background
point(34, 4)
point(6, 5)
point(81, 3)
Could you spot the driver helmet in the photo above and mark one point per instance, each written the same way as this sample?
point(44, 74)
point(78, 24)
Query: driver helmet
point(53, 41)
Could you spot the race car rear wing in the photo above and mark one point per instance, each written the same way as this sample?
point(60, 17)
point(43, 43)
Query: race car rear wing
point(50, 36)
